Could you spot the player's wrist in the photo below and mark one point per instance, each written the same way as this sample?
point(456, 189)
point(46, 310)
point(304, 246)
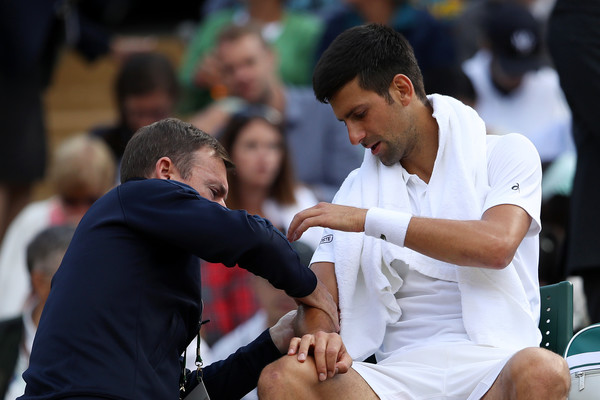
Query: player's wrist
point(310, 320)
point(387, 225)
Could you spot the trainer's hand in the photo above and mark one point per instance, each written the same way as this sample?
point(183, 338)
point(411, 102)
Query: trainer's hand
point(327, 215)
point(321, 298)
point(283, 332)
point(328, 351)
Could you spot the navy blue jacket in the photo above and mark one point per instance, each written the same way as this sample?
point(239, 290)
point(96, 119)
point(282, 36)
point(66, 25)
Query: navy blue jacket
point(124, 303)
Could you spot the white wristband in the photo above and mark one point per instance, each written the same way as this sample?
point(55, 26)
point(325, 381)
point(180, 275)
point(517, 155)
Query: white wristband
point(388, 225)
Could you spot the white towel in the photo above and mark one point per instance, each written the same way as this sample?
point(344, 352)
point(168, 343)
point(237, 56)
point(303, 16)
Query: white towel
point(495, 307)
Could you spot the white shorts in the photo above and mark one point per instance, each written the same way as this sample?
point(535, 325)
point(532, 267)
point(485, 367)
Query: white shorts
point(455, 371)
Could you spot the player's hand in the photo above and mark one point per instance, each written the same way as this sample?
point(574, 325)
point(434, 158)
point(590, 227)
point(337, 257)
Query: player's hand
point(327, 215)
point(328, 351)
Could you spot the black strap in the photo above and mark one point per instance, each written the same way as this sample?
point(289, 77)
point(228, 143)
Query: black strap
point(199, 363)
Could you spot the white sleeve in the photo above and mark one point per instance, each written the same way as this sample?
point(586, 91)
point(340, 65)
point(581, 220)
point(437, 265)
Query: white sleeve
point(515, 175)
point(324, 252)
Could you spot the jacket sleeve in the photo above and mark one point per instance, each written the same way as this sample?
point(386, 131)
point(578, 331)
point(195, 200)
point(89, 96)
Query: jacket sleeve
point(174, 213)
point(235, 376)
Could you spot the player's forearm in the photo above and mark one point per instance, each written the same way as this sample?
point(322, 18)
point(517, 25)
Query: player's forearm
point(465, 243)
point(490, 242)
point(487, 243)
point(310, 319)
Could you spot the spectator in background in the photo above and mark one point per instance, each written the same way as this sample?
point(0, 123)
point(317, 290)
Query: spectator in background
point(293, 35)
point(574, 42)
point(430, 38)
point(317, 141)
point(82, 170)
point(44, 255)
point(468, 24)
point(29, 43)
point(514, 91)
point(146, 90)
point(32, 33)
point(263, 184)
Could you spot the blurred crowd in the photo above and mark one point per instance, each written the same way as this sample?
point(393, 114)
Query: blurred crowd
point(245, 77)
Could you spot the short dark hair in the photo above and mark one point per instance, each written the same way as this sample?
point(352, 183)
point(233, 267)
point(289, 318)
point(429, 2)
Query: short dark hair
point(143, 73)
point(375, 54)
point(44, 244)
point(171, 138)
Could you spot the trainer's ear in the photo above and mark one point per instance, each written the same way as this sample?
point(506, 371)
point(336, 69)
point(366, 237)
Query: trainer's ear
point(402, 89)
point(165, 169)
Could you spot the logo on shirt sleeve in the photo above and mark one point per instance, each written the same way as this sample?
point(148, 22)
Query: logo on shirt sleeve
point(516, 187)
point(326, 239)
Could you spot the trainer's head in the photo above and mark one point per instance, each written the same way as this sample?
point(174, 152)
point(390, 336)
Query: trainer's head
point(372, 53)
point(171, 138)
point(172, 149)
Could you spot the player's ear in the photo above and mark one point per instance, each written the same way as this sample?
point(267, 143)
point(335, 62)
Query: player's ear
point(402, 89)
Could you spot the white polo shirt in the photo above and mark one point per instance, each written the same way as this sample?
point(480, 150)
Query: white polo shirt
point(431, 308)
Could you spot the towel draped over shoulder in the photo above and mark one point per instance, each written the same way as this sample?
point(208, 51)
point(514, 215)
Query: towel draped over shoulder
point(495, 308)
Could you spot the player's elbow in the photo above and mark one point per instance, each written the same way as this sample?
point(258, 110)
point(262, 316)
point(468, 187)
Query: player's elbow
point(499, 253)
point(499, 262)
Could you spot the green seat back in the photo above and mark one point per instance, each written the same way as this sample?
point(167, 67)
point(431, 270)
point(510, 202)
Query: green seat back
point(556, 317)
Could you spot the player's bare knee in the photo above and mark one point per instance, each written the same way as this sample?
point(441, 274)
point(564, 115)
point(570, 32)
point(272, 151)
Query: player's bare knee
point(276, 373)
point(540, 368)
point(270, 380)
point(273, 378)
point(545, 363)
point(559, 377)
point(288, 373)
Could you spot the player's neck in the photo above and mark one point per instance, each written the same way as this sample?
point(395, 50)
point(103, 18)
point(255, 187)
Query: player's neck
point(423, 155)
